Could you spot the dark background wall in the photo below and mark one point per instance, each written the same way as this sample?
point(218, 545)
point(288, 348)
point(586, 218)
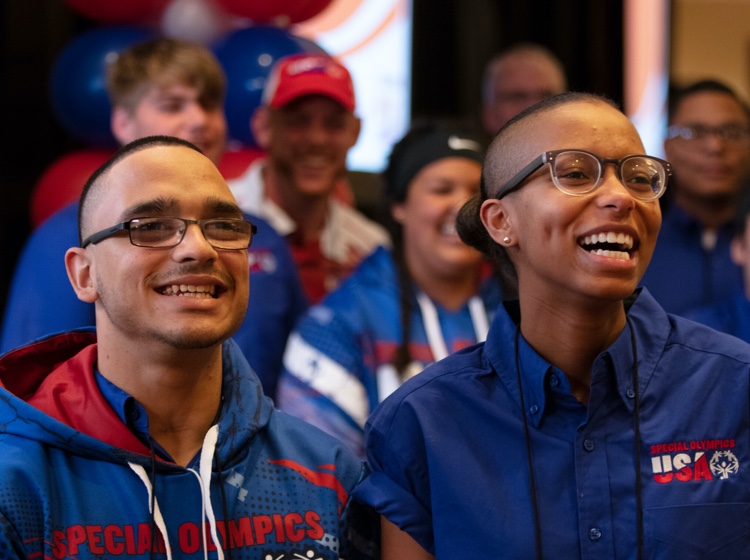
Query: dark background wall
point(452, 41)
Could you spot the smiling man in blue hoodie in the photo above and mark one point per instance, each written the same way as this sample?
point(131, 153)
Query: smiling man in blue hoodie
point(152, 437)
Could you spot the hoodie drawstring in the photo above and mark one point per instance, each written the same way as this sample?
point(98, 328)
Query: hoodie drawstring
point(432, 323)
point(204, 481)
point(154, 511)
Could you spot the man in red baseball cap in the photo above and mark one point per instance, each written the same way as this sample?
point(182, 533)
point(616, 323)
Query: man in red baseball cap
point(306, 123)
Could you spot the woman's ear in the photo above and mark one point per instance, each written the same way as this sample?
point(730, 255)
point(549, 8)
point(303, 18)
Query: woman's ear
point(495, 216)
point(80, 268)
point(398, 213)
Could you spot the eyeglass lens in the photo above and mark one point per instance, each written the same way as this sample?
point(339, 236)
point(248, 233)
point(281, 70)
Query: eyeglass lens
point(579, 172)
point(731, 132)
point(166, 232)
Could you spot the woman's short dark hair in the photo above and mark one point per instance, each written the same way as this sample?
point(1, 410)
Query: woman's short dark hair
point(502, 161)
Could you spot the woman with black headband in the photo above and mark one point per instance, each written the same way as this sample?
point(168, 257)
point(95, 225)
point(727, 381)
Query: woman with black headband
point(590, 424)
point(403, 308)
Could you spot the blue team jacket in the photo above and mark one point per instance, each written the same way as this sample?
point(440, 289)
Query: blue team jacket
point(76, 483)
point(337, 366)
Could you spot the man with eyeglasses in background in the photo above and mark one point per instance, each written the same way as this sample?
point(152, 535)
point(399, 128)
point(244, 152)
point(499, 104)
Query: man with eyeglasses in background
point(708, 145)
point(152, 435)
point(516, 78)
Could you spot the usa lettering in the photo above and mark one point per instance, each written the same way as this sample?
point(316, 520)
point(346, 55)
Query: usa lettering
point(682, 467)
point(694, 461)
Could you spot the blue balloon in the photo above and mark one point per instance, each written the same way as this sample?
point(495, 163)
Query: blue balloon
point(247, 56)
point(78, 81)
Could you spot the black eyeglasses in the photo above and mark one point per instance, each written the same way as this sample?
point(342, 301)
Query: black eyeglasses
point(163, 233)
point(579, 172)
point(733, 132)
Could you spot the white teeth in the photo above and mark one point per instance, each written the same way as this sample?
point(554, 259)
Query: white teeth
point(190, 290)
point(623, 239)
point(612, 254)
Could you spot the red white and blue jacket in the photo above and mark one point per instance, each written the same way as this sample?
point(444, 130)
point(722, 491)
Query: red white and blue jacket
point(76, 483)
point(338, 361)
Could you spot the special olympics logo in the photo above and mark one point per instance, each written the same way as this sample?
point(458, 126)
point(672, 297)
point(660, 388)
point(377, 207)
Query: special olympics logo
point(724, 463)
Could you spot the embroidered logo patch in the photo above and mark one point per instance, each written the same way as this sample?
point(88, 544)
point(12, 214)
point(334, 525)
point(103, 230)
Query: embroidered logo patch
point(699, 460)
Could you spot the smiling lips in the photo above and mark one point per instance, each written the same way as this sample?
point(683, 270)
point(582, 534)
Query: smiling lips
point(189, 290)
point(609, 244)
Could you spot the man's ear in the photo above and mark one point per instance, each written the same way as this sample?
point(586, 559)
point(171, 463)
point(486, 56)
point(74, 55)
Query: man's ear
point(261, 127)
point(356, 129)
point(80, 268)
point(495, 216)
point(122, 125)
point(738, 251)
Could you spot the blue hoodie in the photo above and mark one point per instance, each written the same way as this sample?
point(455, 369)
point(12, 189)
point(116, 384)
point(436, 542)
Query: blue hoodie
point(75, 482)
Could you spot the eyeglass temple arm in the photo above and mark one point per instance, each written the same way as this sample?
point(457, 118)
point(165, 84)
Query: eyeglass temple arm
point(522, 175)
point(101, 235)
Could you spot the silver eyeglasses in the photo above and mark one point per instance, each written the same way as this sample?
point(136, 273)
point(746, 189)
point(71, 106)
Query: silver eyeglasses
point(163, 233)
point(579, 172)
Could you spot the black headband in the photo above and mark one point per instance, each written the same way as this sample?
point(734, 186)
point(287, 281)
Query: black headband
point(407, 160)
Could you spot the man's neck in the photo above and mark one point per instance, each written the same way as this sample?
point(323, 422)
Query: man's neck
point(711, 212)
point(181, 393)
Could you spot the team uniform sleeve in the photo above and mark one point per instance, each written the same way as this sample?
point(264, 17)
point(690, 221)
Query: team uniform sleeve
point(41, 300)
point(323, 373)
point(398, 487)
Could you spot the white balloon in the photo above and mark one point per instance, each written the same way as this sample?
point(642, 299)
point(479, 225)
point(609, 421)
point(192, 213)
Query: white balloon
point(200, 21)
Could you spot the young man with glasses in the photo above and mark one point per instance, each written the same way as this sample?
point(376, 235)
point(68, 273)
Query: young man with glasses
point(176, 88)
point(708, 145)
point(152, 435)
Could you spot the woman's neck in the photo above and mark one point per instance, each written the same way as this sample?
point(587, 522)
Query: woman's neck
point(451, 292)
point(570, 337)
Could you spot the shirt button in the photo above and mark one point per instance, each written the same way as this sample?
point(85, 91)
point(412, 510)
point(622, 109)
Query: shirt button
point(533, 409)
point(630, 393)
point(595, 534)
point(134, 414)
point(588, 444)
point(554, 381)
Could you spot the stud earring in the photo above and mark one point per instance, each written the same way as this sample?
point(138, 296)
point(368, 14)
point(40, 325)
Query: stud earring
point(506, 239)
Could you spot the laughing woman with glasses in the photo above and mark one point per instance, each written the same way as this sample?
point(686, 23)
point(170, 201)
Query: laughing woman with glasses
point(590, 424)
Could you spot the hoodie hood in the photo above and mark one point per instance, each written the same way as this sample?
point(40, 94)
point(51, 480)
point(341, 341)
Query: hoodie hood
point(50, 395)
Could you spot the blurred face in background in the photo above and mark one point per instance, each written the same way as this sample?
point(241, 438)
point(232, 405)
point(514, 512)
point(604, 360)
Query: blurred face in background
point(175, 110)
point(710, 154)
point(515, 83)
point(428, 217)
point(307, 142)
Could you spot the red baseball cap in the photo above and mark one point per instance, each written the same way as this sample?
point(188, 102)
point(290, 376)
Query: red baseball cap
point(308, 74)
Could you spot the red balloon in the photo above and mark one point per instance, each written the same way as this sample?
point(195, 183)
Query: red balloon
point(61, 183)
point(235, 162)
point(264, 11)
point(119, 11)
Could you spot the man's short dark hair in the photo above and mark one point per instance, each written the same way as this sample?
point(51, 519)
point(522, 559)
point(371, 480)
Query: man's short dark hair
point(122, 153)
point(678, 94)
